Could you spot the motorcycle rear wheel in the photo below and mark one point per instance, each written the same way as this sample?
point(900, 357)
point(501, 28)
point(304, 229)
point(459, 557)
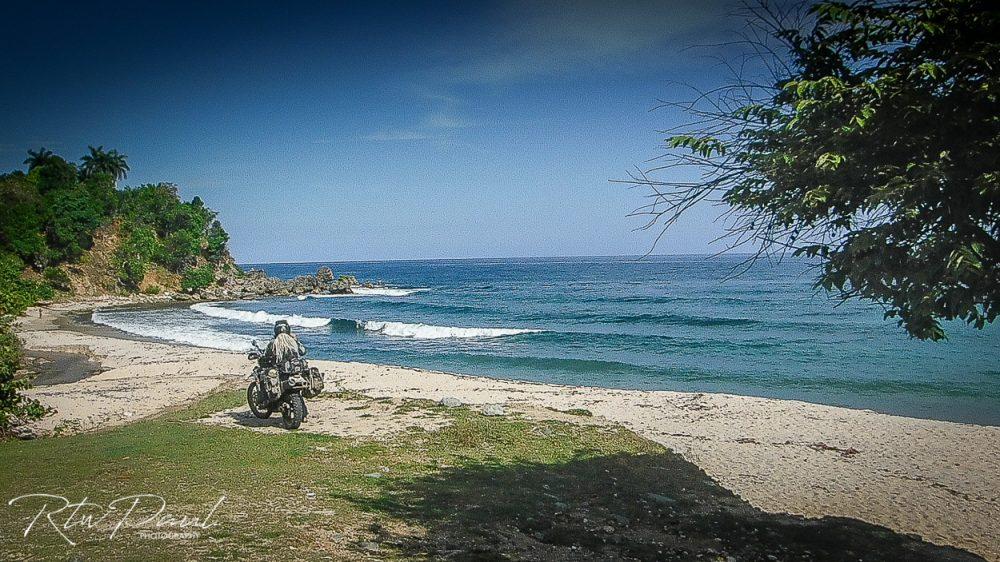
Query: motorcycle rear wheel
point(253, 400)
point(293, 411)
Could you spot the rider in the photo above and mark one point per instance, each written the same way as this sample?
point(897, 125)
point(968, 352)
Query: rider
point(285, 346)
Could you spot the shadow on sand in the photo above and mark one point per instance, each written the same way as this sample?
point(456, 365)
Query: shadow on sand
point(645, 507)
point(246, 418)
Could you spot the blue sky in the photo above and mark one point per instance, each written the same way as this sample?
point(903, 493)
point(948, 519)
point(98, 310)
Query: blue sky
point(324, 131)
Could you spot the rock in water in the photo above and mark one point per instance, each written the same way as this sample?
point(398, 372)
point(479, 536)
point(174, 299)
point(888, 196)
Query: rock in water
point(493, 410)
point(324, 276)
point(450, 402)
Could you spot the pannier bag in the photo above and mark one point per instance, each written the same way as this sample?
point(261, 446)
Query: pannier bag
point(273, 384)
point(316, 383)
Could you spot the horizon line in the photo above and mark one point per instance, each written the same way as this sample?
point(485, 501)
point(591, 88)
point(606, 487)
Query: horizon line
point(636, 256)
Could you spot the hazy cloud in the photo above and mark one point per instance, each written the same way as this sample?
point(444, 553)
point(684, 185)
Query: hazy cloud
point(534, 39)
point(434, 126)
point(436, 96)
point(398, 135)
point(445, 121)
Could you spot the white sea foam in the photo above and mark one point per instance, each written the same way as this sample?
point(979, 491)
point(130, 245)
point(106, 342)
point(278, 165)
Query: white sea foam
point(365, 291)
point(386, 291)
point(430, 332)
point(259, 317)
point(165, 328)
point(320, 296)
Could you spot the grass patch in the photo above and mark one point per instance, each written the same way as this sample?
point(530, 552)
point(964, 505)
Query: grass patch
point(272, 482)
point(488, 487)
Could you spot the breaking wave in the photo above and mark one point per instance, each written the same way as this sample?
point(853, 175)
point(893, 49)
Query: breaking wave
point(259, 317)
point(178, 331)
point(394, 329)
point(386, 291)
point(431, 332)
point(366, 291)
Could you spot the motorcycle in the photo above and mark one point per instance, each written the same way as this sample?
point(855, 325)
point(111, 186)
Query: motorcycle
point(282, 388)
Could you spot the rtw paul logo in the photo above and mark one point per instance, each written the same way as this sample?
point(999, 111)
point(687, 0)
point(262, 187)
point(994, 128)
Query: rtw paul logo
point(145, 514)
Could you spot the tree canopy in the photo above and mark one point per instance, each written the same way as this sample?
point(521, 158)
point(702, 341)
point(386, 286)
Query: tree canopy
point(101, 162)
point(37, 158)
point(872, 145)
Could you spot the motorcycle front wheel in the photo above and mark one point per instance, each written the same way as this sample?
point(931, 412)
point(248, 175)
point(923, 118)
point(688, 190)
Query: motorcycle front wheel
point(293, 411)
point(254, 401)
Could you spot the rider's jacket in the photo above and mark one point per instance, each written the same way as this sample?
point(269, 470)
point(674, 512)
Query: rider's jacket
point(284, 347)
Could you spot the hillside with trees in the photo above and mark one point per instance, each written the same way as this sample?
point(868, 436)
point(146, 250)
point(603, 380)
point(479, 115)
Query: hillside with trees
point(60, 217)
point(68, 229)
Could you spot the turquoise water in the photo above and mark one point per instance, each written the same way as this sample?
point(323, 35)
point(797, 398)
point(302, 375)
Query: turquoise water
point(663, 322)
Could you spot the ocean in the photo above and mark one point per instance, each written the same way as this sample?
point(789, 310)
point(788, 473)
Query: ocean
point(656, 323)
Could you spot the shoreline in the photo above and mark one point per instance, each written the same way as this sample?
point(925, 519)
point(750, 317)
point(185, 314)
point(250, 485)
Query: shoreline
point(84, 322)
point(80, 321)
point(913, 475)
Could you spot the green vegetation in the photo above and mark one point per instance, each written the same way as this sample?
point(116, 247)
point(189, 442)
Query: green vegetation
point(138, 248)
point(485, 488)
point(15, 408)
point(101, 163)
point(197, 278)
point(56, 278)
point(185, 238)
point(871, 147)
point(16, 294)
point(49, 217)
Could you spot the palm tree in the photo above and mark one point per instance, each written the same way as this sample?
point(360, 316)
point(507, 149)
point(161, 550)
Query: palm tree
point(38, 158)
point(118, 165)
point(94, 163)
point(100, 161)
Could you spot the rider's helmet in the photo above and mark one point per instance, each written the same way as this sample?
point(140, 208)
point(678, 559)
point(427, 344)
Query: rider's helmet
point(282, 327)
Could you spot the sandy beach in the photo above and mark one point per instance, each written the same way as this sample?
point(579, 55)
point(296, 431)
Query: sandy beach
point(932, 478)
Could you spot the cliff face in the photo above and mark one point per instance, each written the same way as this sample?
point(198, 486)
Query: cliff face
point(94, 276)
point(255, 283)
point(95, 273)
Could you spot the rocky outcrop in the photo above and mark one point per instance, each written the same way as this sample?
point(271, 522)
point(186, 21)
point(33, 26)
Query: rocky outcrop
point(324, 276)
point(255, 283)
point(233, 284)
